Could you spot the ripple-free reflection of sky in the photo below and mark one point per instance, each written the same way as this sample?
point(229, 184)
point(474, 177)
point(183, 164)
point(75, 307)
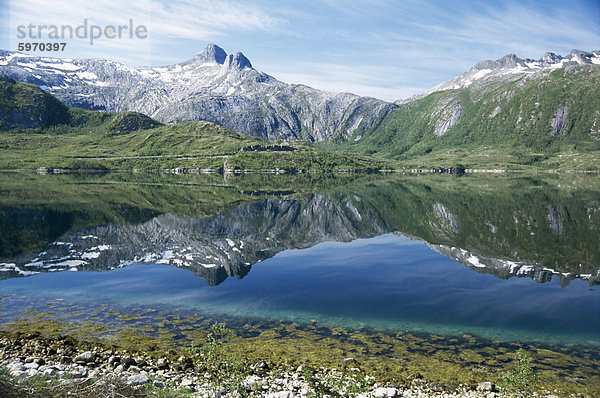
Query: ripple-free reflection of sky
point(387, 282)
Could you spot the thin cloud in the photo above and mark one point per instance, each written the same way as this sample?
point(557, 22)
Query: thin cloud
point(203, 20)
point(174, 18)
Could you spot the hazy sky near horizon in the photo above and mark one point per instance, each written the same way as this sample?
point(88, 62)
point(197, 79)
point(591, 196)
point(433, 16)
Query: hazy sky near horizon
point(388, 49)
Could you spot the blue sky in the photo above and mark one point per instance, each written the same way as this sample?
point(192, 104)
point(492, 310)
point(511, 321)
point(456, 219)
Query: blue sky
point(388, 49)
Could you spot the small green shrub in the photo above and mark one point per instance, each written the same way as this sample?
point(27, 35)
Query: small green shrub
point(225, 370)
point(521, 381)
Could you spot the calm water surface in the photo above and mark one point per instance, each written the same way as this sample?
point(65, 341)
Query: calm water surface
point(507, 259)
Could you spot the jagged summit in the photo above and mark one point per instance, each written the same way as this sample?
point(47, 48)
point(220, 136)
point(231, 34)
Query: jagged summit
point(508, 61)
point(550, 58)
point(582, 57)
point(214, 54)
point(238, 61)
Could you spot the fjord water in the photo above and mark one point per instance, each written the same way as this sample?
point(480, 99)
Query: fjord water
point(507, 258)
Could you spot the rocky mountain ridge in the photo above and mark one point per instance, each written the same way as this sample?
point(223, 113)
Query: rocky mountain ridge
point(509, 68)
point(212, 86)
point(519, 111)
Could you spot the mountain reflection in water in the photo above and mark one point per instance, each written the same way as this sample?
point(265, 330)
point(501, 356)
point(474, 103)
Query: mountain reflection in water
point(532, 226)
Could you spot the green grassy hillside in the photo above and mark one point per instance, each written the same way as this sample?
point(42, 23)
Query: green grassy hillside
point(108, 123)
point(500, 124)
point(27, 106)
point(193, 145)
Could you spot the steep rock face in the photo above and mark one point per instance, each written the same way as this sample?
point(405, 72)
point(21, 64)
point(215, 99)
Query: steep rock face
point(559, 120)
point(446, 124)
point(211, 86)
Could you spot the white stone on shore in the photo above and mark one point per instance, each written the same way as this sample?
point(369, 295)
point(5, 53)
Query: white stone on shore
point(187, 382)
point(137, 379)
point(486, 386)
point(280, 394)
point(50, 372)
point(385, 392)
point(252, 383)
point(86, 357)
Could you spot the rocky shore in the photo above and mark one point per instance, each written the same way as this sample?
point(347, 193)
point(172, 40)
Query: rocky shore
point(67, 362)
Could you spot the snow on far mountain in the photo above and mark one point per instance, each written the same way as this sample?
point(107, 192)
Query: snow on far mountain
point(506, 268)
point(511, 67)
point(212, 85)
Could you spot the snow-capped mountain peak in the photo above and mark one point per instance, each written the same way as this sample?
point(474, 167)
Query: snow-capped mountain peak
point(212, 85)
point(238, 61)
point(511, 66)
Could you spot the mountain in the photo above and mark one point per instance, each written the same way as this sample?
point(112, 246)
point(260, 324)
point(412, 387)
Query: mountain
point(511, 112)
point(508, 111)
point(65, 138)
point(212, 86)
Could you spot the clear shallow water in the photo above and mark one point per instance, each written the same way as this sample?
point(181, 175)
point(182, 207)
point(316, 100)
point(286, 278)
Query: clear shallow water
point(386, 282)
